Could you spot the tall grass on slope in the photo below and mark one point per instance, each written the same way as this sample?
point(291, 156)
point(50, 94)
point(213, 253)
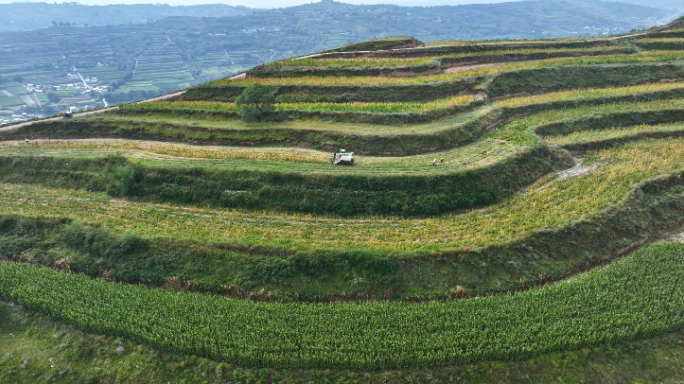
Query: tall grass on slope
point(565, 115)
point(661, 40)
point(398, 107)
point(542, 208)
point(663, 44)
point(588, 94)
point(398, 61)
point(638, 131)
point(642, 57)
point(501, 41)
point(160, 152)
point(637, 297)
point(284, 160)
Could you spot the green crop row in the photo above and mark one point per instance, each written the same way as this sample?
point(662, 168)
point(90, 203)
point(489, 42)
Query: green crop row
point(412, 66)
point(469, 47)
point(385, 114)
point(660, 40)
point(365, 139)
point(559, 122)
point(268, 71)
point(581, 78)
point(672, 33)
point(355, 62)
point(322, 61)
point(10, 101)
point(643, 57)
point(375, 44)
point(661, 44)
point(637, 297)
point(603, 138)
point(412, 113)
point(535, 80)
point(504, 42)
point(586, 94)
point(397, 107)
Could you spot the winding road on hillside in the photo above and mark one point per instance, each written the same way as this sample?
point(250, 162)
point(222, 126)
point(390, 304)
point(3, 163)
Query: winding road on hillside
point(27, 123)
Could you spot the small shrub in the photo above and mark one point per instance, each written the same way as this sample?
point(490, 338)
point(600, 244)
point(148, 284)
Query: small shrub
point(128, 180)
point(256, 104)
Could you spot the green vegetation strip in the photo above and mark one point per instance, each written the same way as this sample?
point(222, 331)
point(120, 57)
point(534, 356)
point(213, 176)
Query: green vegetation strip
point(663, 44)
point(399, 62)
point(394, 113)
point(77, 357)
point(614, 134)
point(500, 42)
point(328, 107)
point(589, 94)
point(642, 57)
point(637, 297)
point(375, 44)
point(660, 40)
point(564, 121)
point(366, 139)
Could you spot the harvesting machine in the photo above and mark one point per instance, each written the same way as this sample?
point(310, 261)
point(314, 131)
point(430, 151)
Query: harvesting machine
point(343, 158)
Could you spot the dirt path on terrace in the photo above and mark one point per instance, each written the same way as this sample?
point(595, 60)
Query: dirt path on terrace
point(14, 127)
point(577, 170)
point(473, 66)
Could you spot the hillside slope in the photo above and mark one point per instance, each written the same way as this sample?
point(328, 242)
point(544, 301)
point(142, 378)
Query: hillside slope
point(508, 201)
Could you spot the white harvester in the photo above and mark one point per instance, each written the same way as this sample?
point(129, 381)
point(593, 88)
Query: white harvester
point(342, 158)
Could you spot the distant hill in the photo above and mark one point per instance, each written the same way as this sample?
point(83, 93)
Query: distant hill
point(29, 16)
point(504, 20)
point(666, 4)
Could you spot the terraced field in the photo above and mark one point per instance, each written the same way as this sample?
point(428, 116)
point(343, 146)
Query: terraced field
point(508, 201)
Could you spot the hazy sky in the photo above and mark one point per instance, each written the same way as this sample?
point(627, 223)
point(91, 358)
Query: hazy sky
point(670, 4)
point(271, 3)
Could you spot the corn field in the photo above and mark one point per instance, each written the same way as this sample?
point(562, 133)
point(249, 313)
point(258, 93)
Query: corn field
point(601, 306)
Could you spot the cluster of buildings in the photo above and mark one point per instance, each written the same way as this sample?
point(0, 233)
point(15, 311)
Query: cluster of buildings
point(83, 86)
point(17, 118)
point(34, 87)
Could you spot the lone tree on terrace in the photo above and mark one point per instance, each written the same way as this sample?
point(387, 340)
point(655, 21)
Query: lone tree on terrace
point(256, 103)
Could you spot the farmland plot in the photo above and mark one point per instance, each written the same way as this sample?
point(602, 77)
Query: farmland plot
point(475, 225)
